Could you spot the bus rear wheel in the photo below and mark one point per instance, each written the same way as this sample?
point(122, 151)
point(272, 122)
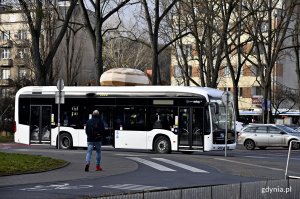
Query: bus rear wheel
point(162, 145)
point(65, 141)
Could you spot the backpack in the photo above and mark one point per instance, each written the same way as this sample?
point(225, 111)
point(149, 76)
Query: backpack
point(96, 130)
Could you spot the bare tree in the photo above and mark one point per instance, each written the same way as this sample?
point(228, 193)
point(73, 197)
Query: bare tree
point(296, 44)
point(154, 23)
point(123, 52)
point(34, 12)
point(284, 97)
point(104, 10)
point(267, 27)
point(69, 63)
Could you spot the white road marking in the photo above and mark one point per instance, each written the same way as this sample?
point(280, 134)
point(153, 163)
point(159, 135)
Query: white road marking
point(248, 164)
point(264, 157)
point(151, 164)
point(183, 166)
point(133, 187)
point(130, 155)
point(55, 187)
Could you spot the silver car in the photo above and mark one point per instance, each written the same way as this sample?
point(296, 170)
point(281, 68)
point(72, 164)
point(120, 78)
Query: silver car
point(268, 135)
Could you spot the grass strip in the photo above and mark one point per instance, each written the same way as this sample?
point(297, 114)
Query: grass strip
point(6, 139)
point(12, 163)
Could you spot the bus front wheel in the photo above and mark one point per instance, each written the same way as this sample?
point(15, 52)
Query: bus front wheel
point(162, 145)
point(65, 141)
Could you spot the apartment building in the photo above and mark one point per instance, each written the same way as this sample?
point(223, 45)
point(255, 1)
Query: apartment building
point(14, 49)
point(15, 61)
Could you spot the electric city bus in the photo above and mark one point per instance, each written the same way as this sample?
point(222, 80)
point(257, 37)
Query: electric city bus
point(159, 118)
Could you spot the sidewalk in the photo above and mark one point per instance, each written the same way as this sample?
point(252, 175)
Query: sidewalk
point(73, 171)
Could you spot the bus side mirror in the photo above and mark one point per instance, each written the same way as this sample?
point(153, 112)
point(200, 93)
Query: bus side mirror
point(215, 105)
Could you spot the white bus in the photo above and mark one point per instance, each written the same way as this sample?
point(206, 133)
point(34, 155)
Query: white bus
point(160, 118)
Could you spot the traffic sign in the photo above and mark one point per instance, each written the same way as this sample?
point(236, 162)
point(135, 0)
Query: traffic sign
point(61, 95)
point(60, 84)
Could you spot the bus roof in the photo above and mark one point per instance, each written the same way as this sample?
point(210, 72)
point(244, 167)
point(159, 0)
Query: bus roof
point(103, 90)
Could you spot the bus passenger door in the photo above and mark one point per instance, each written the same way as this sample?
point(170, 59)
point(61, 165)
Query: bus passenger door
point(107, 117)
point(40, 124)
point(184, 128)
point(197, 127)
point(191, 128)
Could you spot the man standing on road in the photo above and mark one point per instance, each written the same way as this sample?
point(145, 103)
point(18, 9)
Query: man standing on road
point(94, 131)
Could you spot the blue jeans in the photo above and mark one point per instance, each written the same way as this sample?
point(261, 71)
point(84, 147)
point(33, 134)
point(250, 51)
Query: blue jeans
point(90, 149)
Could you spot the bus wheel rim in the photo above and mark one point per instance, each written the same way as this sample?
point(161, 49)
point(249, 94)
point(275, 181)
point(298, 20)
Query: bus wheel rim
point(162, 145)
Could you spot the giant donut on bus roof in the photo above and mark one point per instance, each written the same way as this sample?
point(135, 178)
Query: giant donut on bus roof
point(124, 77)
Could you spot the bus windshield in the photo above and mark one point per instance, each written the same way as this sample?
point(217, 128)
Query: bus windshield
point(219, 117)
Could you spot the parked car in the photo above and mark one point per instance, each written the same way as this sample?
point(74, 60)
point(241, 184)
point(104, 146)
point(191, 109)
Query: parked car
point(297, 128)
point(239, 126)
point(268, 135)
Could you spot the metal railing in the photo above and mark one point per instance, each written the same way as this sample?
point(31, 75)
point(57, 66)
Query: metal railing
point(269, 189)
point(291, 145)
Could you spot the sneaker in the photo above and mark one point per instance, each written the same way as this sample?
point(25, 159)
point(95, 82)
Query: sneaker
point(98, 168)
point(86, 168)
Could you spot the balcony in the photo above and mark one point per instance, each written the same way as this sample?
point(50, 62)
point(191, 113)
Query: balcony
point(6, 82)
point(20, 62)
point(6, 62)
point(6, 43)
point(22, 42)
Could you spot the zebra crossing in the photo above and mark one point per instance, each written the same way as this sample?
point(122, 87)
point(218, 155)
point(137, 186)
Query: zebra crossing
point(133, 187)
point(161, 167)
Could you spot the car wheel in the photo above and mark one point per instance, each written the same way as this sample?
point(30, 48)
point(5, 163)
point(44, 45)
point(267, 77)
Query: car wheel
point(65, 141)
point(295, 145)
point(262, 147)
point(162, 145)
point(249, 144)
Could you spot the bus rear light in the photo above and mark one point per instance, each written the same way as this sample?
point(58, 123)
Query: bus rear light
point(14, 127)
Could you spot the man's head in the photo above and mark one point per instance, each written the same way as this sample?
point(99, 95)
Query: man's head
point(96, 113)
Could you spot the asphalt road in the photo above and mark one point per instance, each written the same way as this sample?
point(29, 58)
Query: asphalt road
point(130, 171)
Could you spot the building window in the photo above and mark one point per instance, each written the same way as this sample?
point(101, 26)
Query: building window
point(5, 53)
point(5, 73)
point(264, 26)
point(177, 71)
point(259, 48)
point(4, 92)
point(226, 72)
point(22, 72)
point(21, 53)
point(186, 50)
point(256, 90)
point(255, 70)
point(22, 34)
point(4, 35)
point(240, 92)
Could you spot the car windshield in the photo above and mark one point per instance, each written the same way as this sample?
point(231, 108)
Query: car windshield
point(287, 129)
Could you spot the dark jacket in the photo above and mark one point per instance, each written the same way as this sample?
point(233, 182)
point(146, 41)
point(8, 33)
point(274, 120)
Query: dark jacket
point(94, 129)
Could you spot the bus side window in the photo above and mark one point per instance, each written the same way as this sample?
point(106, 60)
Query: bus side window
point(157, 124)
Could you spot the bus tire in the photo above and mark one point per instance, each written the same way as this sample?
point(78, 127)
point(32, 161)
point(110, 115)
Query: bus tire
point(162, 145)
point(65, 141)
point(249, 144)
